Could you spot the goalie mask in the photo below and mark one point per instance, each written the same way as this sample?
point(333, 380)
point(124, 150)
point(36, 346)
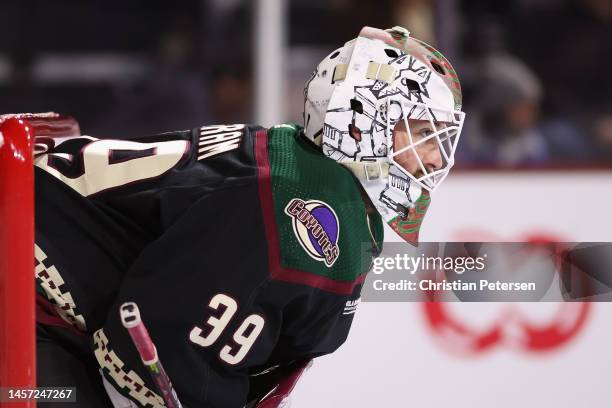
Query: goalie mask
point(388, 107)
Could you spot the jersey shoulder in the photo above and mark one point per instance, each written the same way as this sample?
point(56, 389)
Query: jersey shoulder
point(320, 214)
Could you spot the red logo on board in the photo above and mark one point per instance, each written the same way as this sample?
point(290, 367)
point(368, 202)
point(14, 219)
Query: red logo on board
point(511, 327)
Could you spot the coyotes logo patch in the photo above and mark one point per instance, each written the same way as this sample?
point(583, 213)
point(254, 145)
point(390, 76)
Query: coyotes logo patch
point(316, 227)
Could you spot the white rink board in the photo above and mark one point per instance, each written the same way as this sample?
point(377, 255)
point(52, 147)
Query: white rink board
point(574, 205)
point(392, 358)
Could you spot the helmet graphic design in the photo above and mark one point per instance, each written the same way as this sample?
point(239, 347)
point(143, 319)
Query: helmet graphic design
point(388, 107)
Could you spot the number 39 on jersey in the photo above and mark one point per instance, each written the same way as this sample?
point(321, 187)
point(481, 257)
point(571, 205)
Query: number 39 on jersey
point(244, 337)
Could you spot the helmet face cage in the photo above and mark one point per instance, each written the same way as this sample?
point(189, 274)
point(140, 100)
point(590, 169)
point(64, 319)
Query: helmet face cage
point(425, 149)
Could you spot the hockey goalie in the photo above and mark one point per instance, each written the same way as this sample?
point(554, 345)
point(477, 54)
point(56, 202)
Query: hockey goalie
point(244, 248)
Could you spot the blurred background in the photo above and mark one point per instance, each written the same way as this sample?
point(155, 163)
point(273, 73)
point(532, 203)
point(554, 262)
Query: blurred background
point(535, 73)
point(533, 161)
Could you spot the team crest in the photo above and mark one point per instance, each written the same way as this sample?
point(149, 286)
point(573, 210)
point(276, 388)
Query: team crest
point(316, 227)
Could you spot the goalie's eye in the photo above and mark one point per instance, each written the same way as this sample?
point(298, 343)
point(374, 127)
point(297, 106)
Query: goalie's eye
point(423, 132)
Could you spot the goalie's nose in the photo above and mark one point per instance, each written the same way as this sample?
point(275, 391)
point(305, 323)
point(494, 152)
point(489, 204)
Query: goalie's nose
point(432, 158)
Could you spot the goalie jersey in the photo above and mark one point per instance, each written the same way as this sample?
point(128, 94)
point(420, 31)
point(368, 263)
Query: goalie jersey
point(244, 248)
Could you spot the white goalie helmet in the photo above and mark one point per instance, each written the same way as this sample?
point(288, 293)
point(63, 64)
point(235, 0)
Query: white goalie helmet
point(388, 107)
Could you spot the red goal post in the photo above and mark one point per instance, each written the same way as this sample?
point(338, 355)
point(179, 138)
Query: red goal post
point(17, 308)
